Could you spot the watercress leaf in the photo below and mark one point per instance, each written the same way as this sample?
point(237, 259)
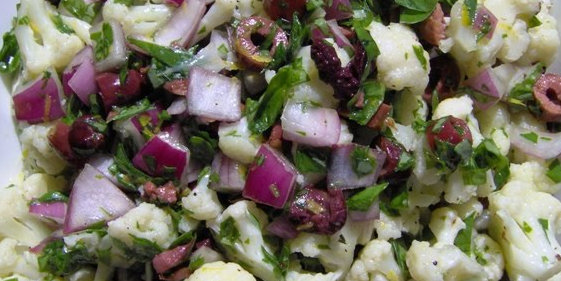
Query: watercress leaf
point(374, 93)
point(463, 240)
point(10, 57)
point(270, 104)
point(364, 199)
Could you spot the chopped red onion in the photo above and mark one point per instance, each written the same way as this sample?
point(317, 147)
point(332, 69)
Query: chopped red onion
point(230, 172)
point(372, 213)
point(94, 199)
point(307, 124)
point(270, 179)
point(338, 10)
point(485, 21)
point(213, 96)
point(85, 54)
point(102, 162)
point(55, 235)
point(283, 228)
point(164, 153)
point(341, 174)
point(49, 211)
point(117, 56)
point(340, 39)
point(171, 258)
point(540, 144)
point(182, 25)
point(83, 81)
point(488, 85)
point(40, 100)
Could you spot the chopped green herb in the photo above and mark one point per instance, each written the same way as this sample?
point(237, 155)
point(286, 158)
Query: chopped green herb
point(10, 57)
point(103, 41)
point(81, 10)
point(463, 239)
point(279, 262)
point(400, 251)
point(554, 171)
point(60, 25)
point(132, 110)
point(53, 196)
point(311, 160)
point(196, 263)
point(373, 96)
point(362, 161)
point(526, 227)
point(229, 233)
point(420, 54)
point(364, 199)
point(531, 136)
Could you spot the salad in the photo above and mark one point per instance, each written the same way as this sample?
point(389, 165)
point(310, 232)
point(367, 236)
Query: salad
point(283, 140)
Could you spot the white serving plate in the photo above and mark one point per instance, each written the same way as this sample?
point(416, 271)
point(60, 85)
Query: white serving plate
point(10, 152)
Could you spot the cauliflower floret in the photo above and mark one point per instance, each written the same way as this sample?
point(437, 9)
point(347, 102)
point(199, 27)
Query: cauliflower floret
point(219, 271)
point(544, 39)
point(88, 239)
point(37, 152)
point(446, 262)
point(145, 221)
point(534, 173)
point(38, 184)
point(488, 253)
point(455, 191)
point(402, 63)
point(236, 141)
point(388, 227)
point(408, 107)
point(420, 195)
point(138, 21)
point(524, 222)
point(314, 90)
point(516, 40)
point(376, 262)
point(202, 202)
point(239, 229)
point(334, 252)
point(15, 259)
point(459, 107)
point(445, 225)
point(298, 276)
point(207, 254)
point(54, 47)
point(16, 222)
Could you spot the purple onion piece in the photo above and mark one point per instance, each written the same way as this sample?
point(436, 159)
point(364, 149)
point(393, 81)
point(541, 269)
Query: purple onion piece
point(282, 227)
point(213, 96)
point(271, 178)
point(49, 211)
point(231, 174)
point(82, 82)
point(338, 35)
point(338, 10)
point(40, 100)
point(102, 162)
point(341, 174)
point(55, 235)
point(314, 126)
point(94, 199)
point(163, 153)
point(487, 84)
point(183, 24)
point(485, 19)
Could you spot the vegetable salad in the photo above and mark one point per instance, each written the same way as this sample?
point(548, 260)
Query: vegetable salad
point(283, 140)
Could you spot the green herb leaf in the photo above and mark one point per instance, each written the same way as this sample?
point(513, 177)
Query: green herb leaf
point(229, 233)
point(103, 41)
point(132, 110)
point(53, 196)
point(526, 227)
point(360, 25)
point(531, 136)
point(166, 55)
point(81, 10)
point(196, 263)
point(362, 161)
point(400, 251)
point(364, 199)
point(554, 171)
point(533, 22)
point(270, 104)
point(463, 240)
point(522, 94)
point(471, 8)
point(545, 226)
point(409, 16)
point(419, 53)
point(418, 5)
point(374, 93)
point(279, 262)
point(60, 25)
point(183, 239)
point(10, 57)
point(486, 156)
point(59, 260)
point(127, 174)
point(311, 160)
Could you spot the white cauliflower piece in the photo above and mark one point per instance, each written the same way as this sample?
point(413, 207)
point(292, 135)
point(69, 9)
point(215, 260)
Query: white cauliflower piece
point(420, 195)
point(38, 155)
point(534, 173)
point(187, 224)
point(388, 227)
point(219, 13)
point(239, 229)
point(516, 40)
point(219, 271)
point(488, 253)
point(345, 135)
point(445, 225)
point(492, 124)
point(446, 262)
point(236, 141)
point(455, 191)
point(544, 39)
point(402, 63)
point(88, 239)
point(16, 222)
point(138, 21)
point(41, 43)
point(524, 222)
point(334, 252)
point(202, 202)
point(38, 184)
point(376, 262)
point(15, 259)
point(314, 90)
point(247, 8)
point(460, 107)
point(144, 221)
point(207, 254)
point(408, 106)
point(299, 276)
